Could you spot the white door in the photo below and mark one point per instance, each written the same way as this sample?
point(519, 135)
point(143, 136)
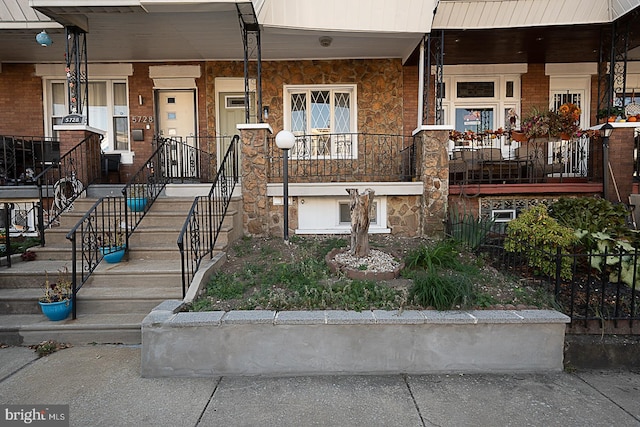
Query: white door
point(176, 110)
point(572, 154)
point(231, 113)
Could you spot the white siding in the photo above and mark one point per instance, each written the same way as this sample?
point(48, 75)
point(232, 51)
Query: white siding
point(18, 14)
point(470, 14)
point(400, 16)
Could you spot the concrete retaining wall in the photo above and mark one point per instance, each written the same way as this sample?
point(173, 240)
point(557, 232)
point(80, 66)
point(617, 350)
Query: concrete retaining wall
point(345, 342)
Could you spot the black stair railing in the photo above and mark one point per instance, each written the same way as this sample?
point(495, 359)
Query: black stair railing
point(101, 231)
point(204, 222)
point(64, 180)
point(107, 226)
point(145, 186)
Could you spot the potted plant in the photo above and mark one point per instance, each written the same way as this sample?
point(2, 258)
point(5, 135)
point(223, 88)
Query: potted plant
point(611, 113)
point(568, 119)
point(541, 124)
point(57, 301)
point(137, 197)
point(113, 246)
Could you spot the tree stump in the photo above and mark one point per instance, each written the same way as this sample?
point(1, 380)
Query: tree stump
point(360, 207)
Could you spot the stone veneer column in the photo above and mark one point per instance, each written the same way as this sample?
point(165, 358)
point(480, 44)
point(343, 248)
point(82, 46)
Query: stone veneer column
point(253, 178)
point(433, 170)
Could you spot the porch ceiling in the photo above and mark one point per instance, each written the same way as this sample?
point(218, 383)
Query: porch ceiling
point(157, 31)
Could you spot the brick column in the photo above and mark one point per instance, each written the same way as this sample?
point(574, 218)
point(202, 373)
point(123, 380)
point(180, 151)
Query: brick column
point(253, 178)
point(434, 173)
point(85, 163)
point(621, 146)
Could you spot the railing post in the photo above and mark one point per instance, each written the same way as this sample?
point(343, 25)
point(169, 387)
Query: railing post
point(558, 270)
point(7, 238)
point(74, 272)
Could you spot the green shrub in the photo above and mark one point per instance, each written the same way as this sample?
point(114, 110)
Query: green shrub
point(441, 291)
point(590, 214)
point(539, 236)
point(444, 254)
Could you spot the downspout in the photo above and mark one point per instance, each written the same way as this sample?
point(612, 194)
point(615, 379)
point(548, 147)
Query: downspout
point(421, 85)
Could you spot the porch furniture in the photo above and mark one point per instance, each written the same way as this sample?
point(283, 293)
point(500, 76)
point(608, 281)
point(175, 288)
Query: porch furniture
point(535, 150)
point(111, 163)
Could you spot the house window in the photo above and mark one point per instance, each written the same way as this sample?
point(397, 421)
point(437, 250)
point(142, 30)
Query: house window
point(476, 89)
point(345, 213)
point(474, 119)
point(503, 215)
point(323, 119)
point(107, 106)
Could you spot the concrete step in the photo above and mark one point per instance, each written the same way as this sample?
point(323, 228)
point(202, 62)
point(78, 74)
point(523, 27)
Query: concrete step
point(122, 300)
point(29, 329)
point(53, 252)
point(31, 274)
point(138, 273)
point(20, 301)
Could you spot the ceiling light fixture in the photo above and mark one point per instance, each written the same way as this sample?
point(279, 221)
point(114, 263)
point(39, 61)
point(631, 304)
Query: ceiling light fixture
point(325, 41)
point(43, 38)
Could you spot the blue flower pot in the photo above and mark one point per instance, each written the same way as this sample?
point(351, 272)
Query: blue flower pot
point(56, 311)
point(112, 254)
point(137, 204)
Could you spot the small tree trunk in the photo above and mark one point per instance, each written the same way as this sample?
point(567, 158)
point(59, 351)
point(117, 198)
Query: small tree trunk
point(360, 206)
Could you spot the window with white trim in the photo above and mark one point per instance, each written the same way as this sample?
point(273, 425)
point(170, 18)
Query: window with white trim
point(323, 119)
point(108, 109)
point(345, 213)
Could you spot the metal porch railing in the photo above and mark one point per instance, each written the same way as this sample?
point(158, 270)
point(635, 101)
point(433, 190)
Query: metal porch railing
point(63, 181)
point(24, 157)
point(203, 224)
point(346, 157)
point(497, 159)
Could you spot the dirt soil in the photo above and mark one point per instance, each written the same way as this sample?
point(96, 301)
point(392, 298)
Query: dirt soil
point(506, 293)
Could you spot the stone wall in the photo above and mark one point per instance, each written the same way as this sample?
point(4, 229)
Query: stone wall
point(254, 182)
point(434, 173)
point(403, 215)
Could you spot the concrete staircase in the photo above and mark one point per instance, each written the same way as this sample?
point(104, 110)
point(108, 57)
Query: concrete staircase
point(116, 297)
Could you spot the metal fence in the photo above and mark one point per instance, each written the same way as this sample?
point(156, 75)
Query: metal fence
point(346, 157)
point(588, 286)
point(497, 159)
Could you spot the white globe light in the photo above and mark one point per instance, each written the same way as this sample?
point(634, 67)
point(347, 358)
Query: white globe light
point(285, 140)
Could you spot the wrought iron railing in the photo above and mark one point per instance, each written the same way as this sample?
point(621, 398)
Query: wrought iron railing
point(5, 237)
point(24, 157)
point(189, 159)
point(101, 230)
point(586, 285)
point(204, 222)
point(19, 221)
point(64, 180)
point(145, 186)
point(497, 159)
point(346, 157)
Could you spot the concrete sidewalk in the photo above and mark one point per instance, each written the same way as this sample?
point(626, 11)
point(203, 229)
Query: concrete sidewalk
point(103, 387)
